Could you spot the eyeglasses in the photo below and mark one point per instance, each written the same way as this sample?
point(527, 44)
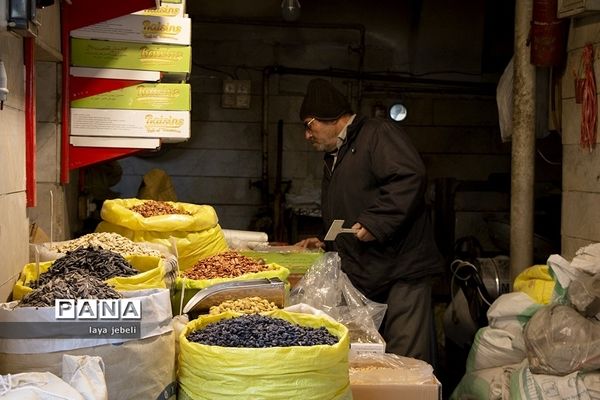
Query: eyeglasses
point(307, 124)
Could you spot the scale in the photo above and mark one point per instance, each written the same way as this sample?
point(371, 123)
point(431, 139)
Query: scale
point(271, 289)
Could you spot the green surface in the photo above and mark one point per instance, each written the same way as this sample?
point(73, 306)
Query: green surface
point(147, 96)
point(128, 55)
point(296, 262)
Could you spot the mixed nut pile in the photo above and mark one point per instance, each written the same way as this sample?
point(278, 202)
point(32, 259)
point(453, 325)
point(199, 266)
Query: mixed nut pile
point(151, 208)
point(229, 264)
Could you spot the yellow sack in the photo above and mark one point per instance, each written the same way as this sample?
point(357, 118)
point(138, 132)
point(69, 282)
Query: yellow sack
point(196, 236)
point(189, 287)
point(537, 282)
point(274, 271)
point(118, 212)
point(312, 372)
point(152, 275)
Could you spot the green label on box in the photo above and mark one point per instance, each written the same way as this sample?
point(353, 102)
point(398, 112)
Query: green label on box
point(147, 96)
point(128, 55)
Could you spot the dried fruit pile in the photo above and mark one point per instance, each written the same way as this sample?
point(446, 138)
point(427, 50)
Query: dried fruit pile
point(259, 331)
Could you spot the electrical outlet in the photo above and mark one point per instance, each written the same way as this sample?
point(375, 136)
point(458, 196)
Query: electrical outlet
point(236, 94)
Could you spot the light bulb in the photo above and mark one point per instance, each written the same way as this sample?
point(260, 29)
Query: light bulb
point(290, 10)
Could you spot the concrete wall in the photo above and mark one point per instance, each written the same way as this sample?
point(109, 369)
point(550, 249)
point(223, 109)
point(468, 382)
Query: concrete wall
point(14, 223)
point(581, 182)
point(221, 164)
point(15, 217)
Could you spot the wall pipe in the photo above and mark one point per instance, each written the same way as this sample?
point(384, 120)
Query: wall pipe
point(30, 121)
point(523, 146)
point(65, 90)
point(265, 140)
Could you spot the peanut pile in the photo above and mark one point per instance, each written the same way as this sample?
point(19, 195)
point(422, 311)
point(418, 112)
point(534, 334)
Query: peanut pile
point(229, 264)
point(246, 305)
point(152, 208)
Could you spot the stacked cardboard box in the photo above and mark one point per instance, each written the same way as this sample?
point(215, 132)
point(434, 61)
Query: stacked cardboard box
point(128, 79)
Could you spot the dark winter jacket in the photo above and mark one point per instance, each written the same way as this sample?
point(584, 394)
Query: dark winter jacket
point(379, 180)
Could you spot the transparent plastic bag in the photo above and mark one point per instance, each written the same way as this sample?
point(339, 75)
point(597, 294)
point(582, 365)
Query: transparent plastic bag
point(327, 288)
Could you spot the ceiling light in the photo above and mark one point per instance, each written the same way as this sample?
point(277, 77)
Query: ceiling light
point(290, 10)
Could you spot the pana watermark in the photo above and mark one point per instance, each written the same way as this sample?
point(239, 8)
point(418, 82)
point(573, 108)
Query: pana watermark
point(98, 309)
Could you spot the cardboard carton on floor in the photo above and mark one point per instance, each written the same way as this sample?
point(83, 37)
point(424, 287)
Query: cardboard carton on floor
point(426, 391)
point(387, 376)
point(140, 28)
point(128, 55)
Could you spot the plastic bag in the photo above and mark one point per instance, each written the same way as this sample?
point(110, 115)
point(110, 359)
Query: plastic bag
point(118, 212)
point(195, 236)
point(86, 374)
point(537, 282)
point(584, 295)
point(326, 287)
point(296, 372)
point(388, 368)
point(157, 185)
point(560, 341)
point(273, 271)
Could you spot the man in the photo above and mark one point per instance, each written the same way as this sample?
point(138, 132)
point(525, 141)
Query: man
point(375, 180)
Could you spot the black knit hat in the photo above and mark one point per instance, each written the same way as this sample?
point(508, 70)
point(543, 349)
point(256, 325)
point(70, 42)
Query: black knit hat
point(323, 101)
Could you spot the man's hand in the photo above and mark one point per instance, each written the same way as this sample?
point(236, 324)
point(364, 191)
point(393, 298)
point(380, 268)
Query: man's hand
point(311, 243)
point(362, 233)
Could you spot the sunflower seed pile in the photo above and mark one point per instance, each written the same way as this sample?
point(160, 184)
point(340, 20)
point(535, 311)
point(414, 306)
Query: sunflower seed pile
point(108, 241)
point(93, 262)
point(72, 285)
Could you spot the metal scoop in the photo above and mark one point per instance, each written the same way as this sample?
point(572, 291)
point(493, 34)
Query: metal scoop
point(336, 228)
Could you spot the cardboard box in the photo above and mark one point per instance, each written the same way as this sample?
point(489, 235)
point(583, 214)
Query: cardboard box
point(115, 142)
point(428, 391)
point(127, 55)
point(165, 10)
point(145, 96)
point(140, 28)
point(130, 123)
point(114, 73)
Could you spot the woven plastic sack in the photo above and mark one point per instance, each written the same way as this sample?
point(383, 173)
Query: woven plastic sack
point(537, 282)
point(36, 386)
point(153, 272)
point(297, 372)
point(118, 212)
point(195, 236)
point(274, 271)
point(86, 374)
